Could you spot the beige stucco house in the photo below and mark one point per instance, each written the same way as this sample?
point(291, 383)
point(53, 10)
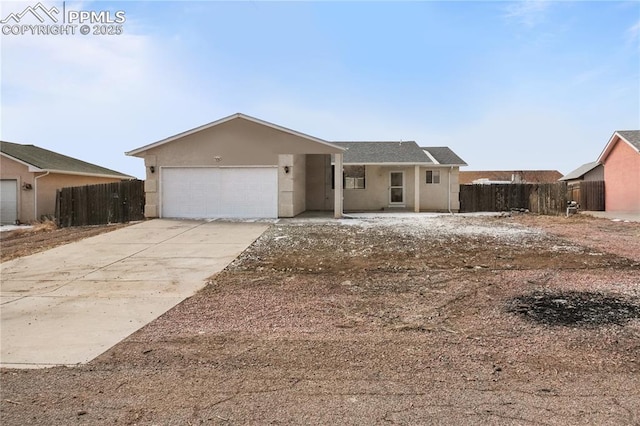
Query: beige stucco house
point(241, 166)
point(30, 176)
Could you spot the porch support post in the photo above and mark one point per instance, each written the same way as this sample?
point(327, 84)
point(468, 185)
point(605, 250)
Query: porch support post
point(337, 184)
point(416, 190)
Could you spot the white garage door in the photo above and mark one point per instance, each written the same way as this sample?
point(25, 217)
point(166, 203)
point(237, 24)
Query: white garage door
point(239, 192)
point(8, 201)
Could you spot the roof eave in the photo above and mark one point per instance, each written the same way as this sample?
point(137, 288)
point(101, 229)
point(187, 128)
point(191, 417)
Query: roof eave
point(74, 173)
point(612, 141)
point(31, 167)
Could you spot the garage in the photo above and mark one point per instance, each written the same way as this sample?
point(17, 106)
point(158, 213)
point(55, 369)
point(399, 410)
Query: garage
point(219, 192)
point(8, 201)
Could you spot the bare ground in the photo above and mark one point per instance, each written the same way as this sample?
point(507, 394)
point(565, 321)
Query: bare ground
point(377, 322)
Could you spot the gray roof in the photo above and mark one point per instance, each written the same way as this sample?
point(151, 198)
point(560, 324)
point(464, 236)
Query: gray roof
point(396, 152)
point(580, 171)
point(52, 161)
point(444, 155)
point(631, 136)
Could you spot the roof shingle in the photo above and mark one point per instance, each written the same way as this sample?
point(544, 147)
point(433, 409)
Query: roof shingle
point(52, 161)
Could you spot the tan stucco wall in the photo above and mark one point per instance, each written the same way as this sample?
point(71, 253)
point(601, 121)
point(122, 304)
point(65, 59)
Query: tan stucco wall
point(375, 196)
point(435, 197)
point(45, 186)
point(291, 185)
point(319, 195)
point(49, 184)
point(10, 169)
point(237, 142)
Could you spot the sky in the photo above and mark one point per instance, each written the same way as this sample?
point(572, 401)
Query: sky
point(506, 85)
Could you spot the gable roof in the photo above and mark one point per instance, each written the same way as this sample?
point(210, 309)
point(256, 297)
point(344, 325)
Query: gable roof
point(580, 171)
point(529, 176)
point(224, 120)
point(396, 152)
point(383, 152)
point(631, 137)
point(42, 160)
point(444, 155)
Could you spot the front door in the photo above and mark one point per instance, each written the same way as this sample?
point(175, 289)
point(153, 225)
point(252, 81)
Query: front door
point(396, 188)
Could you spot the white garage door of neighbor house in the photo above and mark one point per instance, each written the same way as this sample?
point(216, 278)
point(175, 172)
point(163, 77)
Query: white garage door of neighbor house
point(203, 192)
point(8, 201)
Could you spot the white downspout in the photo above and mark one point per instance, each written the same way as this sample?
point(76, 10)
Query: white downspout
point(35, 195)
point(449, 192)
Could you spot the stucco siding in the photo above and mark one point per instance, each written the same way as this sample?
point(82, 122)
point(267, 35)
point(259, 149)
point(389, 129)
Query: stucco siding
point(375, 196)
point(16, 171)
point(435, 197)
point(47, 186)
point(291, 185)
point(44, 186)
point(622, 179)
point(318, 193)
point(237, 142)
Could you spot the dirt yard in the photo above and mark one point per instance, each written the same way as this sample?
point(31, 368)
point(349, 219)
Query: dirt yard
point(450, 320)
point(45, 236)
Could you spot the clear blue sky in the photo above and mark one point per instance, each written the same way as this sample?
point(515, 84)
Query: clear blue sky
point(506, 85)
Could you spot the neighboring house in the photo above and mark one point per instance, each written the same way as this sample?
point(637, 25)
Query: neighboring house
point(508, 176)
point(31, 175)
point(587, 172)
point(621, 161)
point(383, 175)
point(240, 166)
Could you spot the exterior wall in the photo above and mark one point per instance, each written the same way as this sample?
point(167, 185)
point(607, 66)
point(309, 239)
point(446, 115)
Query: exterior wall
point(435, 197)
point(237, 142)
point(597, 173)
point(622, 179)
point(45, 187)
point(291, 185)
point(319, 195)
point(375, 196)
point(13, 170)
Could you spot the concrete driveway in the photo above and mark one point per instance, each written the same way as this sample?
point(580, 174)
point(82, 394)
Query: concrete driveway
point(69, 304)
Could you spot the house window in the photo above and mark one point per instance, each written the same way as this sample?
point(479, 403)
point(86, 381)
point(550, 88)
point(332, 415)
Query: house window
point(354, 177)
point(433, 176)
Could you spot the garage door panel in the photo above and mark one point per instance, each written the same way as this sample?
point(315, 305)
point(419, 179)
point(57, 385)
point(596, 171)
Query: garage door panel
point(8, 201)
point(219, 192)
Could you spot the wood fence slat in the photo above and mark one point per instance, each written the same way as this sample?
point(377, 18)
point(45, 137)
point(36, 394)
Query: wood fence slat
point(100, 204)
point(548, 199)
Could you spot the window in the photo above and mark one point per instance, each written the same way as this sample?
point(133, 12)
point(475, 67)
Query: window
point(353, 177)
point(433, 176)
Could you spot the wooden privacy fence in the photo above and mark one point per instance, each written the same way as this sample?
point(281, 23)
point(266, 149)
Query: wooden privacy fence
point(541, 198)
point(116, 202)
point(590, 194)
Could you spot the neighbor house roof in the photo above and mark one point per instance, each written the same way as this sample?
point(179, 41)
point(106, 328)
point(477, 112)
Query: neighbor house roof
point(224, 120)
point(528, 176)
point(580, 171)
point(42, 160)
point(631, 137)
point(397, 152)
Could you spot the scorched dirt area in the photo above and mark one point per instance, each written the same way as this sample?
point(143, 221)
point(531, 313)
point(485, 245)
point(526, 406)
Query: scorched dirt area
point(451, 320)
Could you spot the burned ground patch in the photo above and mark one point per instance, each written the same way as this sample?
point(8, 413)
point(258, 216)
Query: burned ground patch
point(575, 308)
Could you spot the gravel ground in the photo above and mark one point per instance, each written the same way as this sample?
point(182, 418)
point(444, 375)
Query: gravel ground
point(379, 321)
